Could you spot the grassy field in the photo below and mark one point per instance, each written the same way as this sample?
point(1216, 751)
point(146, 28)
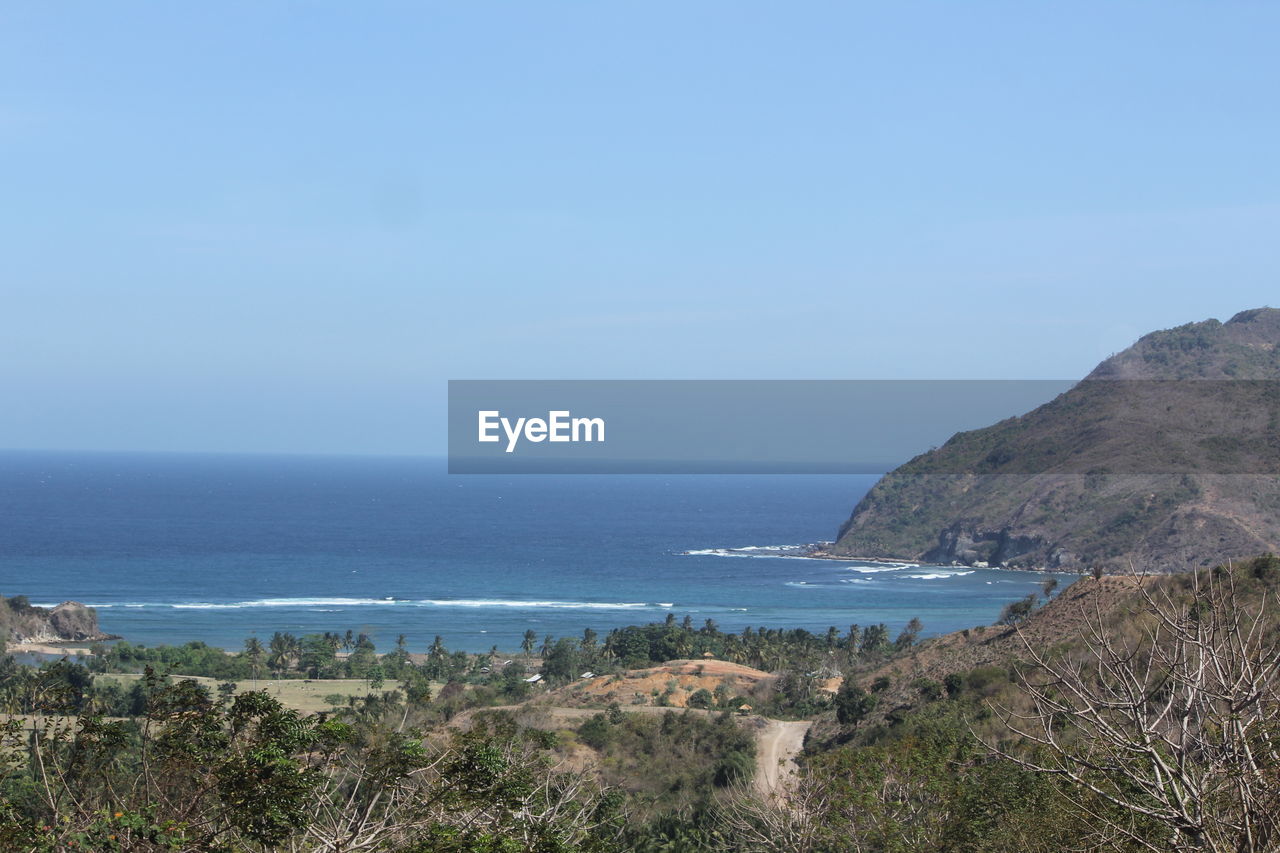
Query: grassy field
point(303, 695)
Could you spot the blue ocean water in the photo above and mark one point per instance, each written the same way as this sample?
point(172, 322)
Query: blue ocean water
point(172, 548)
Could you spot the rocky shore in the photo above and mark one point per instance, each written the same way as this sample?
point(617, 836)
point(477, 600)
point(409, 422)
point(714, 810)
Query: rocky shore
point(23, 624)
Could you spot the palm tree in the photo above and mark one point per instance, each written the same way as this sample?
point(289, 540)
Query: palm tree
point(253, 651)
point(437, 650)
point(283, 647)
point(530, 637)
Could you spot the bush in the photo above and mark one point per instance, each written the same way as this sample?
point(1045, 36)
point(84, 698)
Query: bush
point(853, 703)
point(702, 698)
point(1266, 568)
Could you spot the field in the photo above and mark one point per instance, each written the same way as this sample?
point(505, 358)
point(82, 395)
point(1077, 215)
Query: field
point(300, 694)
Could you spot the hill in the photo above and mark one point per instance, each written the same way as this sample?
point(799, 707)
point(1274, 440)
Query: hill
point(1164, 458)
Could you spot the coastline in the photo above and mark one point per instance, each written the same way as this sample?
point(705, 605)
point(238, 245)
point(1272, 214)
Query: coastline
point(818, 551)
point(48, 649)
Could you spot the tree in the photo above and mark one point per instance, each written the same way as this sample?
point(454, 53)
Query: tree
point(363, 659)
point(1016, 612)
point(319, 656)
point(254, 652)
point(284, 649)
point(875, 639)
point(909, 634)
point(1170, 716)
point(395, 662)
point(526, 645)
point(560, 664)
point(436, 656)
point(853, 703)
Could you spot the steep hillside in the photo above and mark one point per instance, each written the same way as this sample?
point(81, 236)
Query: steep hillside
point(1164, 458)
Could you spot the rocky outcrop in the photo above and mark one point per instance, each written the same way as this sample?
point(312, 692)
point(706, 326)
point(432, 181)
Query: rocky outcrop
point(966, 543)
point(1165, 458)
point(70, 621)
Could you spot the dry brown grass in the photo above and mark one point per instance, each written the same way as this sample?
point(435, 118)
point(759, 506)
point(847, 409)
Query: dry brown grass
point(1061, 620)
point(677, 680)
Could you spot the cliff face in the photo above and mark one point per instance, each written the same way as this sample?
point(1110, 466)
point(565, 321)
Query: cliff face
point(70, 621)
point(1165, 458)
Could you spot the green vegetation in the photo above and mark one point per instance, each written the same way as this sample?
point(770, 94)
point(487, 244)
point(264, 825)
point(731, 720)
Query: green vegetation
point(1083, 724)
point(676, 761)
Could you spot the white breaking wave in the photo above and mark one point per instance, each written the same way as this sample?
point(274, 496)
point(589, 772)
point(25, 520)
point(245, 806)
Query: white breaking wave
point(535, 605)
point(768, 552)
point(283, 602)
point(875, 570)
point(937, 575)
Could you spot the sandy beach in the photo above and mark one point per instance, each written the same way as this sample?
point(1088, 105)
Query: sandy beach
point(47, 649)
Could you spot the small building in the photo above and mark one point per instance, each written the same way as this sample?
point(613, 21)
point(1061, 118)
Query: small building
point(587, 674)
point(533, 679)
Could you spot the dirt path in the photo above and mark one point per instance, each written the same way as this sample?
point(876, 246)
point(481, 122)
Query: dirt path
point(777, 745)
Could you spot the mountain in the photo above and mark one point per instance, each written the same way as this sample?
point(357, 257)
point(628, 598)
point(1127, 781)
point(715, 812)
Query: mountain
point(1165, 458)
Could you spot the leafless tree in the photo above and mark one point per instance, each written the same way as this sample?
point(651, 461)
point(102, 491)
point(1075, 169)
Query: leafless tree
point(1165, 724)
point(797, 823)
point(363, 807)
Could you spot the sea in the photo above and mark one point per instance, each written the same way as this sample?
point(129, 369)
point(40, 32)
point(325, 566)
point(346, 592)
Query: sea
point(171, 548)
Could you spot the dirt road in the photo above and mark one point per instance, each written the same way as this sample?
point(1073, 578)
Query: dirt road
point(777, 745)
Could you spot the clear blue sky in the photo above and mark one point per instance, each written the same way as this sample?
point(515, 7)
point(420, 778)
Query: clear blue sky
point(282, 226)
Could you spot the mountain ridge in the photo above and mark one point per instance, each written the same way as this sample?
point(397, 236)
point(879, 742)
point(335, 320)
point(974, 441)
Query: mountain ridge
point(1164, 458)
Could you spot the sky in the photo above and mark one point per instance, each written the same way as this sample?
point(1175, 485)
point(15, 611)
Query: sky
point(283, 226)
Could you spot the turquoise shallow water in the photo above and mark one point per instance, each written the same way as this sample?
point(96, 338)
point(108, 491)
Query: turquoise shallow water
point(172, 548)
